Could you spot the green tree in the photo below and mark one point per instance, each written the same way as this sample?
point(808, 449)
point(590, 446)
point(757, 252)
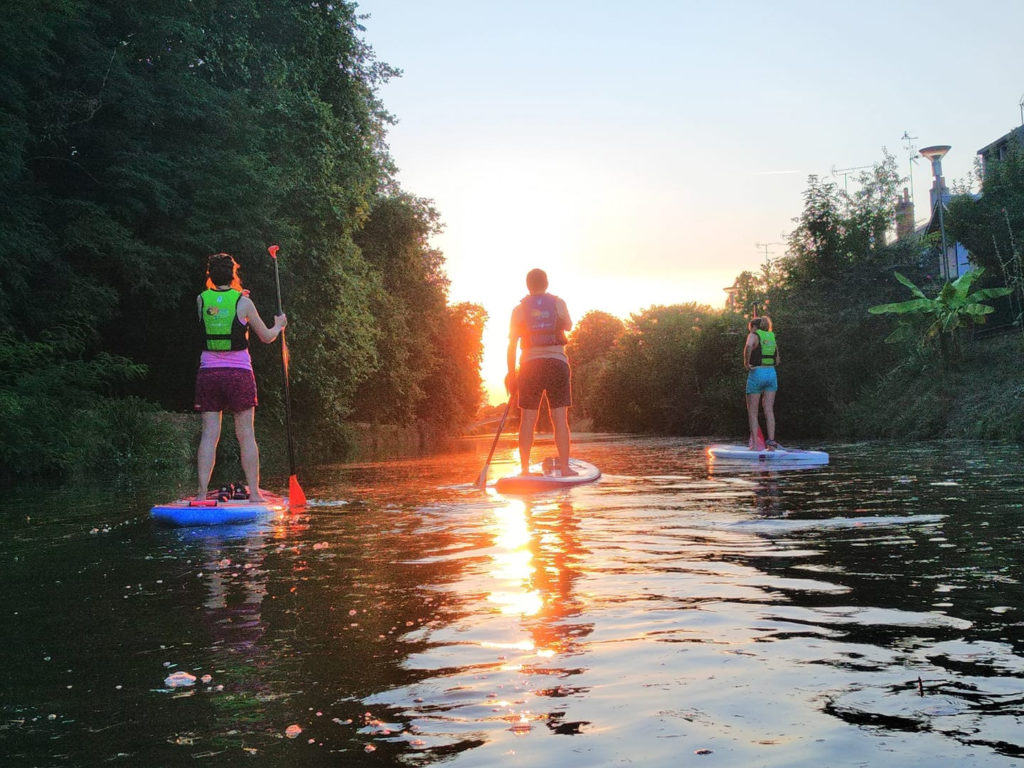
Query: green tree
point(454, 388)
point(138, 138)
point(651, 379)
point(956, 306)
point(591, 341)
point(408, 305)
point(991, 226)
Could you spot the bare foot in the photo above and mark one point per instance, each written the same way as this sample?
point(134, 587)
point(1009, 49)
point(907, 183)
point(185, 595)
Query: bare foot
point(256, 498)
point(570, 473)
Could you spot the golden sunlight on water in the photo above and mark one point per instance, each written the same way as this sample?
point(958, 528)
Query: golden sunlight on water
point(513, 562)
point(862, 613)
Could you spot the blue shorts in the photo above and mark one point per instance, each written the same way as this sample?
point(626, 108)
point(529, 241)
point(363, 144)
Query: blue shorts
point(762, 379)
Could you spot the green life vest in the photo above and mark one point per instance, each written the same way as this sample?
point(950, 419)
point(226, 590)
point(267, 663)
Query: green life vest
point(222, 329)
point(764, 353)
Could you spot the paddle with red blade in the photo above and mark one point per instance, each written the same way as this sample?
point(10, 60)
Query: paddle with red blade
point(296, 496)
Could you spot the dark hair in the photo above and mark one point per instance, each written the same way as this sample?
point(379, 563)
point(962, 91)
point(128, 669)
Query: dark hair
point(763, 323)
point(537, 280)
point(222, 269)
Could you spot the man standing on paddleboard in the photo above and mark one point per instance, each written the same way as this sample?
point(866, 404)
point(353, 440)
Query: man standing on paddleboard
point(539, 324)
point(225, 381)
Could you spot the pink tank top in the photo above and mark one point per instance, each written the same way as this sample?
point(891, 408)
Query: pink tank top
point(238, 358)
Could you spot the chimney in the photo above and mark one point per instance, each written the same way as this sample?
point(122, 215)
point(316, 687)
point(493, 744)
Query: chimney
point(904, 216)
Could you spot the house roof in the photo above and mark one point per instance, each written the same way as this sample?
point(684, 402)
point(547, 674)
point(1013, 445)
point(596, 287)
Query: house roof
point(1002, 141)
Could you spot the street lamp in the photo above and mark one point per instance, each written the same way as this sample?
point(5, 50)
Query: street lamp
point(935, 155)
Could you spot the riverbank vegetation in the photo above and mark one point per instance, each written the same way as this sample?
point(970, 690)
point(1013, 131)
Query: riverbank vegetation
point(137, 139)
point(678, 369)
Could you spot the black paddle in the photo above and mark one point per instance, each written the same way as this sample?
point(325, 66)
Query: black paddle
point(481, 481)
point(296, 496)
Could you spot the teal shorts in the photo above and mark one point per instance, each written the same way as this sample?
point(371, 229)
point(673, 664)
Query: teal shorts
point(762, 379)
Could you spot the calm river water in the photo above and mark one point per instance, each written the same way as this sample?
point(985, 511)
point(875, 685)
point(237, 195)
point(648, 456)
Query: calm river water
point(867, 613)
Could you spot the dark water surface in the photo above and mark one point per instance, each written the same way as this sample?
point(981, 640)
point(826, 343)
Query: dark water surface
point(867, 613)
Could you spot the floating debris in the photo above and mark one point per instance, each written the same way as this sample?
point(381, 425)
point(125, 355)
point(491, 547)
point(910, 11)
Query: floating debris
point(179, 679)
point(292, 731)
point(522, 725)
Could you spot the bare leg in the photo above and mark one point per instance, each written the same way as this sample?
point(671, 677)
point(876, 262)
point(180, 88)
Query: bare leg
point(527, 422)
point(768, 403)
point(752, 405)
point(207, 454)
point(248, 451)
point(560, 421)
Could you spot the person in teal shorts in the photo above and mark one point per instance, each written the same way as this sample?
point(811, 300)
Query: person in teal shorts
point(760, 356)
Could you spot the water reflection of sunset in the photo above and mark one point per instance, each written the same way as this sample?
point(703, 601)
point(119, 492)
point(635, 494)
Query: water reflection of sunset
point(534, 560)
point(513, 562)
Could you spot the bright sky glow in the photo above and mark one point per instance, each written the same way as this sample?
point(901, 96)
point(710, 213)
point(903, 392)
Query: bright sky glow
point(639, 152)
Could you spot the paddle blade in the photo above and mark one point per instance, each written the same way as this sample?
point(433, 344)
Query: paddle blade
point(760, 440)
point(296, 497)
point(272, 250)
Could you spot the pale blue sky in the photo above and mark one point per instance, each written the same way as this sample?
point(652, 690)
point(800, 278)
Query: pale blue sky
point(637, 152)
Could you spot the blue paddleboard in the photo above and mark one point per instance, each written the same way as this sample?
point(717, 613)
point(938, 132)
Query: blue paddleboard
point(212, 511)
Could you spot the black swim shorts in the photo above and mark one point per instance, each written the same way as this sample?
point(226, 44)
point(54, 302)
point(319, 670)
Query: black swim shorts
point(544, 374)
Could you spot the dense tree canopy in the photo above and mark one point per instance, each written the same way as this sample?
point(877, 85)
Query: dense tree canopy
point(590, 344)
point(137, 138)
point(679, 369)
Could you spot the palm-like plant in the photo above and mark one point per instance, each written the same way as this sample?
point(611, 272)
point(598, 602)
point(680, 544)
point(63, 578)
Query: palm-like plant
point(956, 306)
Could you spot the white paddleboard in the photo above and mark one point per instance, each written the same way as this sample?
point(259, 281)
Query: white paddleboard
point(548, 477)
point(780, 454)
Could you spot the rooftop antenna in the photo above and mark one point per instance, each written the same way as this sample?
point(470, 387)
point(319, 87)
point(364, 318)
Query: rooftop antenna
point(767, 261)
point(908, 142)
point(845, 172)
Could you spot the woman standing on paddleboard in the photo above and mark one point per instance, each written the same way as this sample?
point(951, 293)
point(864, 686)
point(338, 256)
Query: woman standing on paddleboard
point(225, 380)
point(760, 356)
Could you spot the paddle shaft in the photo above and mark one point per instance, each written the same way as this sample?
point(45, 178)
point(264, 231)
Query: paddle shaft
point(481, 481)
point(284, 372)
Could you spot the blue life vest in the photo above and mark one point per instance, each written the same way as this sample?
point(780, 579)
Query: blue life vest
point(540, 315)
point(222, 330)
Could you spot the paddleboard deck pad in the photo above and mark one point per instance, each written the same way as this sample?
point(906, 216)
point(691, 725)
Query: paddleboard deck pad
point(780, 454)
point(214, 511)
point(548, 477)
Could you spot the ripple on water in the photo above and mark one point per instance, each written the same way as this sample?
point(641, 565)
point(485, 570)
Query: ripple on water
point(761, 617)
